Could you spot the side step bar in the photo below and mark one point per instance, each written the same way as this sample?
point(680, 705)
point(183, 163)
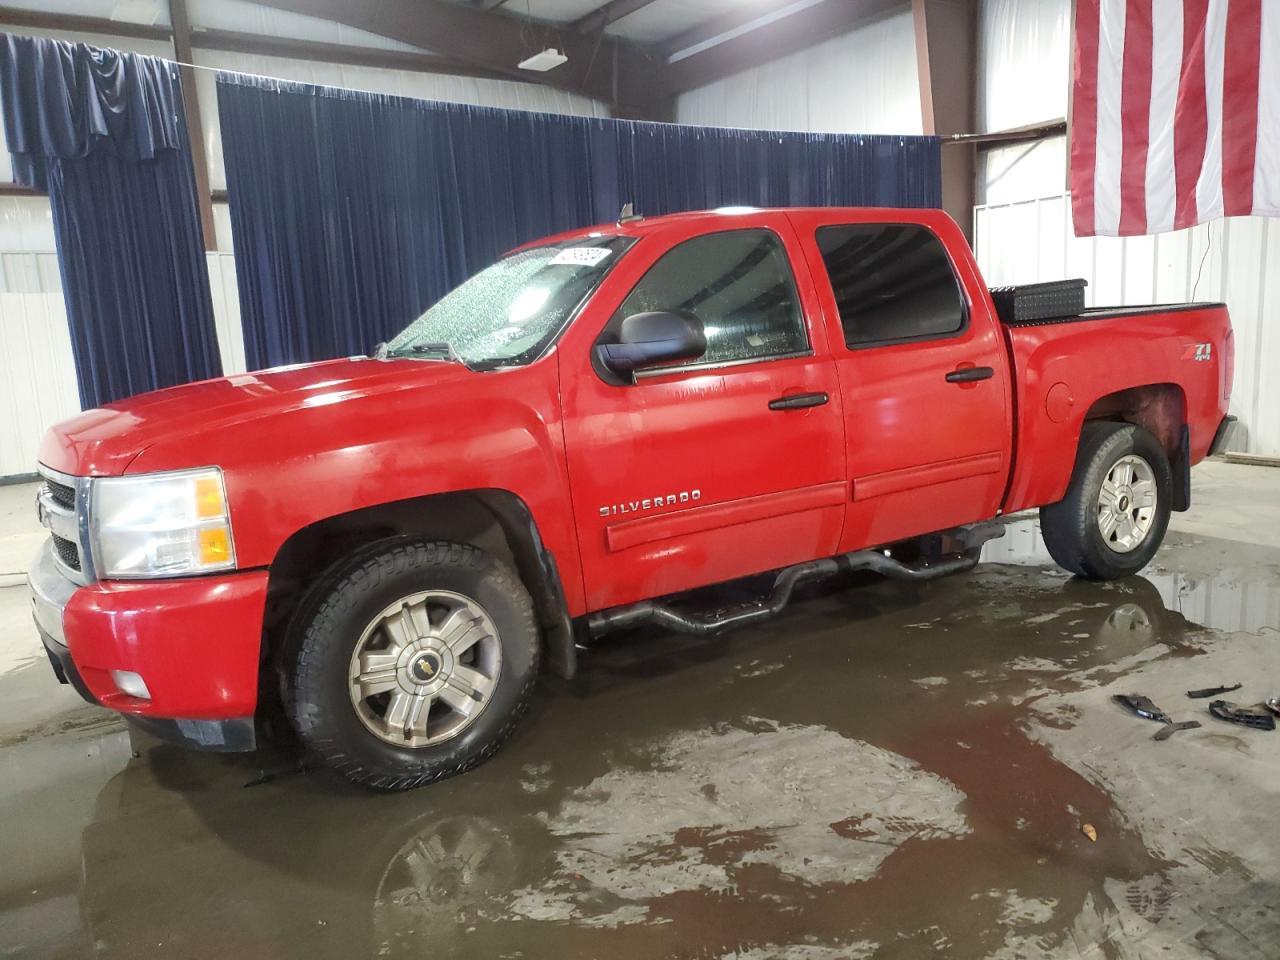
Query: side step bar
point(970, 541)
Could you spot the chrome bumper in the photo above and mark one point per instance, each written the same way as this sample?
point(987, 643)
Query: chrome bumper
point(50, 593)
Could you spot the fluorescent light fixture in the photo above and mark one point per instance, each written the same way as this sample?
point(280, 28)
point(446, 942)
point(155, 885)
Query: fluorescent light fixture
point(548, 59)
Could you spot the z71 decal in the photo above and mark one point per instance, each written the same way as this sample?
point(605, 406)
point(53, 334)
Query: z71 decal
point(1199, 351)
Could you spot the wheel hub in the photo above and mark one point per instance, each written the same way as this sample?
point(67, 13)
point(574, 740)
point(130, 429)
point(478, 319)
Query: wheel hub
point(1127, 504)
point(425, 668)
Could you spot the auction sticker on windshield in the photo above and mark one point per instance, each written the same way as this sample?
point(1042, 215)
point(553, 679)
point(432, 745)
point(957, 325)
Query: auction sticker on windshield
point(581, 256)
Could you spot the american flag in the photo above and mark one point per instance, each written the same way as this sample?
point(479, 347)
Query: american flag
point(1175, 113)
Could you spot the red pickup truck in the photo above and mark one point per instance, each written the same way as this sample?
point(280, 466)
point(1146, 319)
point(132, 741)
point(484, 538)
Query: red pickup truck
point(389, 546)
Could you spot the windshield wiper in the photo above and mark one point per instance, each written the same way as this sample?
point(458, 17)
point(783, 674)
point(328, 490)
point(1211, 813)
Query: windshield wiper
point(436, 349)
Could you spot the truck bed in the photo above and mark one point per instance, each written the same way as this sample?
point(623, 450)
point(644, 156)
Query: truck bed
point(1175, 359)
point(1111, 313)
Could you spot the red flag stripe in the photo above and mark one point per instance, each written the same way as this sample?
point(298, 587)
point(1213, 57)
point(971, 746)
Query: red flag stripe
point(1135, 103)
point(1240, 105)
point(1084, 113)
point(1190, 123)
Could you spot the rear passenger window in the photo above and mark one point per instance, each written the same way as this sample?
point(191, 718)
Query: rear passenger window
point(892, 282)
point(738, 283)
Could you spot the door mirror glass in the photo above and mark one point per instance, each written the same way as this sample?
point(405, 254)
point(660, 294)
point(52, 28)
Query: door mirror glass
point(652, 338)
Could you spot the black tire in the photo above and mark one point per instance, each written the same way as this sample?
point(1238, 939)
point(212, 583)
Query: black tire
point(315, 671)
point(1070, 526)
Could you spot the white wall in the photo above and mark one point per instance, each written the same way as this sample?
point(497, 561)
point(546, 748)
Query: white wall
point(1236, 261)
point(864, 81)
point(1024, 77)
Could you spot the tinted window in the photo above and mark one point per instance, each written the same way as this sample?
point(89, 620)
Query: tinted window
point(892, 281)
point(738, 284)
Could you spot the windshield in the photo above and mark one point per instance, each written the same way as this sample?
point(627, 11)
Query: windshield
point(507, 314)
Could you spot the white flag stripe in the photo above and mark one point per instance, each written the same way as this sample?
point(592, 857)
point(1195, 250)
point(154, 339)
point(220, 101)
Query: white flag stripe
point(1110, 138)
point(1266, 168)
point(1166, 71)
point(1209, 186)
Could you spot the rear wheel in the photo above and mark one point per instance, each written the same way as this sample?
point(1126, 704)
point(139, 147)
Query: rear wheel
point(415, 665)
point(1116, 511)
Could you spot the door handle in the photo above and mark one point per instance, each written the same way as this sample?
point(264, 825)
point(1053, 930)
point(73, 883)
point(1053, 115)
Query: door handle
point(798, 401)
point(970, 374)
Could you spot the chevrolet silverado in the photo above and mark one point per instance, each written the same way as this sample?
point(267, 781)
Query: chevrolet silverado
point(388, 547)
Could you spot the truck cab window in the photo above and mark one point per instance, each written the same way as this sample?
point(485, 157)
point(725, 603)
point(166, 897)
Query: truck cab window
point(738, 283)
point(892, 282)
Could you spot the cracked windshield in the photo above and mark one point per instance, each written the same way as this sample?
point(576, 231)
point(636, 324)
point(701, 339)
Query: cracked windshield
point(508, 313)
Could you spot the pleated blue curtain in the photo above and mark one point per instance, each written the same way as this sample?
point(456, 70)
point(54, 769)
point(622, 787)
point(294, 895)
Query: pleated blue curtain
point(353, 212)
point(104, 134)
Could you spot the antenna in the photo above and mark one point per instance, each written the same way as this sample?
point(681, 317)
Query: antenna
point(628, 213)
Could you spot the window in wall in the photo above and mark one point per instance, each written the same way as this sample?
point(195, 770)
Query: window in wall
point(738, 283)
point(892, 281)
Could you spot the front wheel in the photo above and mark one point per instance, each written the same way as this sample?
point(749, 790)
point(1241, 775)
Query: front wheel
point(415, 664)
point(1116, 511)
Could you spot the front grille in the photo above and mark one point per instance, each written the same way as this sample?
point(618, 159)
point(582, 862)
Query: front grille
point(62, 494)
point(67, 552)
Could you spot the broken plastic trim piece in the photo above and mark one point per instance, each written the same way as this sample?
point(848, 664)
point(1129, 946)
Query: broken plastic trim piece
point(1208, 692)
point(1255, 718)
point(1169, 729)
point(1142, 706)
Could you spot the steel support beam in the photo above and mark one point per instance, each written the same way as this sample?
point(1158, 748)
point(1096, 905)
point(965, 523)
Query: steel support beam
point(39, 20)
point(946, 57)
point(611, 12)
point(234, 41)
point(778, 38)
point(195, 128)
point(599, 66)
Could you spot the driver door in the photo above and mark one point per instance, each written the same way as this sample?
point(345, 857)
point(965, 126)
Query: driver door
point(718, 467)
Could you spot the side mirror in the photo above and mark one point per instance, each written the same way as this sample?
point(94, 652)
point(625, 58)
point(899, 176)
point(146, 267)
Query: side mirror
point(648, 339)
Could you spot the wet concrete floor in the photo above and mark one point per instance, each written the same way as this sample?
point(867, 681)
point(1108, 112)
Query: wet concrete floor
point(885, 770)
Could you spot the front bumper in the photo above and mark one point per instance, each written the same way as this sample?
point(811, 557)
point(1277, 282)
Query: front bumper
point(195, 642)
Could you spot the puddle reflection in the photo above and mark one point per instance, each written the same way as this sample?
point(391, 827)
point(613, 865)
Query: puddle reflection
point(1234, 599)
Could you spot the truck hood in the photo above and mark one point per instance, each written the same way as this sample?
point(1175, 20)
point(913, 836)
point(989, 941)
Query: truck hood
point(104, 441)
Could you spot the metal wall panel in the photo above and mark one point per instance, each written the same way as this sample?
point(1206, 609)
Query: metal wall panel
point(37, 376)
point(1235, 260)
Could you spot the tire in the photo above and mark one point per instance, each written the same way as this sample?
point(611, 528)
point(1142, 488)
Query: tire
point(396, 602)
point(1073, 527)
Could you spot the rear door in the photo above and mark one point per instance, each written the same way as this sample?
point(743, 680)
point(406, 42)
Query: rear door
point(725, 466)
point(923, 375)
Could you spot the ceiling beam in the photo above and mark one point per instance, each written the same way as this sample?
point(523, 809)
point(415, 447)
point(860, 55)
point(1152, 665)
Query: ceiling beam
point(233, 41)
point(792, 33)
point(738, 17)
point(611, 12)
point(600, 66)
point(39, 20)
point(488, 4)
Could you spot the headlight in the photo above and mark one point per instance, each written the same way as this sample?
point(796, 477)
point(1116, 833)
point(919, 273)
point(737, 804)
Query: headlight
point(161, 525)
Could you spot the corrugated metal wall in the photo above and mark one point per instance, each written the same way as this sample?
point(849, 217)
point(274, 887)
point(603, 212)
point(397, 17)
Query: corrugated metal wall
point(1236, 261)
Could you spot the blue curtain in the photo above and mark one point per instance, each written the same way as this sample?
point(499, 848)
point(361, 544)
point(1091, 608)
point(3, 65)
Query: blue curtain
point(353, 212)
point(104, 134)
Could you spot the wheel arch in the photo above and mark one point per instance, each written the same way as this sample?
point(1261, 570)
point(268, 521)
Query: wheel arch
point(1161, 410)
point(494, 520)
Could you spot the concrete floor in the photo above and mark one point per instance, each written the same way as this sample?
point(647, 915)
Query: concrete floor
point(886, 770)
